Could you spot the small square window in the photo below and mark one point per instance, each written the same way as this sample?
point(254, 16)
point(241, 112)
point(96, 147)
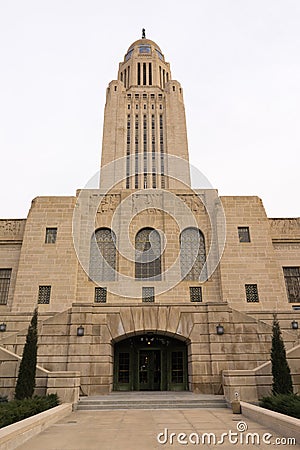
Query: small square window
point(128, 95)
point(148, 294)
point(244, 234)
point(137, 95)
point(152, 106)
point(145, 106)
point(152, 96)
point(251, 293)
point(128, 106)
point(144, 95)
point(51, 234)
point(44, 295)
point(160, 96)
point(196, 294)
point(100, 294)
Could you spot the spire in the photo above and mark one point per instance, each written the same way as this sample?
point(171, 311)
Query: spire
point(143, 33)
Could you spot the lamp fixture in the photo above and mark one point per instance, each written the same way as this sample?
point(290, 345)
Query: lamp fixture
point(220, 329)
point(2, 327)
point(295, 325)
point(80, 331)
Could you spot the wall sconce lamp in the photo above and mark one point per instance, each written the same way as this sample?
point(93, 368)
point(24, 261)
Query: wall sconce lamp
point(295, 325)
point(220, 329)
point(80, 331)
point(2, 327)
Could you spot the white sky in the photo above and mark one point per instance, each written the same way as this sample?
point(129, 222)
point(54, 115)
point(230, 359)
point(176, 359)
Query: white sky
point(238, 62)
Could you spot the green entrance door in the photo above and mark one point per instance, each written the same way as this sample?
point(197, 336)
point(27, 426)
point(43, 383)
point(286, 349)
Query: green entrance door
point(150, 363)
point(149, 370)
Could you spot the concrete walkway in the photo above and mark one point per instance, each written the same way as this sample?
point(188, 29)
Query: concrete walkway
point(138, 430)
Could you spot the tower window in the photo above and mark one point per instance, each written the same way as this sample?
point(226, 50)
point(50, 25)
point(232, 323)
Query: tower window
point(139, 74)
point(148, 294)
point(144, 74)
point(196, 294)
point(150, 74)
point(100, 294)
point(144, 95)
point(44, 295)
point(128, 95)
point(136, 139)
point(115, 88)
point(145, 106)
point(292, 282)
point(137, 95)
point(51, 234)
point(174, 88)
point(244, 234)
point(128, 106)
point(125, 73)
point(5, 275)
point(144, 49)
point(152, 96)
point(251, 293)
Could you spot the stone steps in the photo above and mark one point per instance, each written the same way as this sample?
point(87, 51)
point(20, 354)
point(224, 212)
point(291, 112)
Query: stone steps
point(150, 401)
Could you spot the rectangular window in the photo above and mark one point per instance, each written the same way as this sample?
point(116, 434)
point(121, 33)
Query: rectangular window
point(148, 294)
point(292, 282)
point(196, 294)
point(150, 74)
point(100, 294)
point(251, 293)
point(139, 74)
point(5, 275)
point(244, 234)
point(44, 295)
point(51, 234)
point(144, 74)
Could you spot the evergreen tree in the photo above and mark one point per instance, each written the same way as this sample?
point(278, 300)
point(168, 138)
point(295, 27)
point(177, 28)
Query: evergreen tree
point(282, 380)
point(26, 377)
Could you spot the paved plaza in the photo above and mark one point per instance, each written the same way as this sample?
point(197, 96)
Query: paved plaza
point(138, 430)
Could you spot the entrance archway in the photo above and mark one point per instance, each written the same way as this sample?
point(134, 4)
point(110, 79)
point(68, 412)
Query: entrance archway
point(150, 362)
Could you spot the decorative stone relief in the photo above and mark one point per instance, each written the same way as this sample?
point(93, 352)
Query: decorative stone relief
point(193, 202)
point(109, 203)
point(13, 228)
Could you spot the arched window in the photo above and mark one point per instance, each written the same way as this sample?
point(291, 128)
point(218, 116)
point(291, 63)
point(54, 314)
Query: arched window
point(147, 255)
point(192, 254)
point(103, 255)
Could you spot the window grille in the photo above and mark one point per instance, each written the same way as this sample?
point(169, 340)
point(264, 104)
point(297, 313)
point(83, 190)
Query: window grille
point(148, 258)
point(196, 294)
point(100, 294)
point(103, 255)
point(44, 295)
point(251, 293)
point(192, 255)
point(148, 294)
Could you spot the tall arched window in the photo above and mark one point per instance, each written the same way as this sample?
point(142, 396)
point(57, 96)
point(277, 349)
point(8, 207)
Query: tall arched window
point(147, 255)
point(192, 254)
point(103, 255)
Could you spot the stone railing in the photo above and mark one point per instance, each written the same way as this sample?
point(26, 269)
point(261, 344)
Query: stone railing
point(64, 383)
point(251, 385)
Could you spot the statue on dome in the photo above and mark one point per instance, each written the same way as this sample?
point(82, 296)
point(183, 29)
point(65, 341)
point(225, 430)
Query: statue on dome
point(143, 33)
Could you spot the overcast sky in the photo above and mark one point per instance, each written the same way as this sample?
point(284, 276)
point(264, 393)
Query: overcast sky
point(238, 62)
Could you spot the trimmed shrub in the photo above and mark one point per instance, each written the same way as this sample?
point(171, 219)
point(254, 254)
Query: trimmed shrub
point(282, 380)
point(288, 404)
point(16, 410)
point(26, 377)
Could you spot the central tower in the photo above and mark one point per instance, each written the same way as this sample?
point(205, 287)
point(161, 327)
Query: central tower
point(144, 133)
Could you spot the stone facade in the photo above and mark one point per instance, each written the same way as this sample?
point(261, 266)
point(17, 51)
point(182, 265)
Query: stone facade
point(149, 188)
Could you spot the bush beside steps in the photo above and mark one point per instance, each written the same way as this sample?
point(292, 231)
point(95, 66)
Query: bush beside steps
point(288, 404)
point(15, 410)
